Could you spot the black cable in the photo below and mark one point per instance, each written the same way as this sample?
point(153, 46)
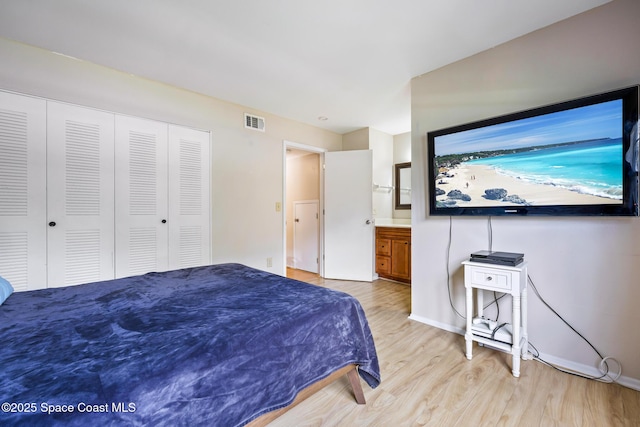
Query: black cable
point(561, 318)
point(496, 329)
point(538, 358)
point(490, 227)
point(495, 299)
point(447, 258)
point(533, 286)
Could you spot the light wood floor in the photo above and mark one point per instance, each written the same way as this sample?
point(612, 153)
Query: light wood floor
point(427, 380)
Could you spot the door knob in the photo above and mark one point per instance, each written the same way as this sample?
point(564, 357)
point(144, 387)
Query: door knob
point(52, 224)
point(368, 221)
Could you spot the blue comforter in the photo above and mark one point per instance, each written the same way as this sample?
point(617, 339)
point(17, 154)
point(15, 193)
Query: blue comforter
point(216, 346)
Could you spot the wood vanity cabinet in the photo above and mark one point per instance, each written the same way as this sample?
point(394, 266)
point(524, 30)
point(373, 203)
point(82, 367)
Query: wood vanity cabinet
point(393, 253)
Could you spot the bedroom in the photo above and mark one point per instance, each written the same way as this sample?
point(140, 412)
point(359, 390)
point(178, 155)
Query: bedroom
point(603, 277)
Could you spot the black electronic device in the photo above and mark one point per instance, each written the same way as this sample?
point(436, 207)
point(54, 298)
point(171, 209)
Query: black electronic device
point(499, 258)
point(577, 157)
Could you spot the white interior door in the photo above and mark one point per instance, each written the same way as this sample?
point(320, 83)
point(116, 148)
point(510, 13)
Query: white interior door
point(23, 232)
point(189, 211)
point(349, 229)
point(305, 235)
point(141, 196)
point(80, 188)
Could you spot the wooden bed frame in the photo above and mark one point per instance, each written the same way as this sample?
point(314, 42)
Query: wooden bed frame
point(351, 371)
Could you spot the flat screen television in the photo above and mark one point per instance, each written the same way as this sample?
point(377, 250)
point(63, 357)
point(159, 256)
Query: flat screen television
point(578, 157)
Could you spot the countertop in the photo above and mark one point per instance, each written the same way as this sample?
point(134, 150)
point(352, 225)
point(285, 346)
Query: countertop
point(389, 222)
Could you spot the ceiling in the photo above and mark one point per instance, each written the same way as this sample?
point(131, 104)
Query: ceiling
point(348, 61)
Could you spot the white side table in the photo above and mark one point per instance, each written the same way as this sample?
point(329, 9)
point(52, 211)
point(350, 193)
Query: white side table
point(505, 279)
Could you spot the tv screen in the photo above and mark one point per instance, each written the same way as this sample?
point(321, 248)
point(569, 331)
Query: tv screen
point(578, 157)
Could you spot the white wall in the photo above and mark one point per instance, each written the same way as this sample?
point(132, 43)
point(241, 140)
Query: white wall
point(401, 154)
point(356, 140)
point(382, 146)
point(246, 164)
point(402, 148)
point(588, 269)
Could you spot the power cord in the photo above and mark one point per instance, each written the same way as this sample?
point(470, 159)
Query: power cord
point(604, 365)
point(495, 300)
point(447, 258)
point(496, 329)
point(603, 368)
point(490, 230)
point(495, 297)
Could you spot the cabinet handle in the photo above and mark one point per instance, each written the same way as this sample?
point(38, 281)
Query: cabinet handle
point(164, 221)
point(489, 278)
point(52, 224)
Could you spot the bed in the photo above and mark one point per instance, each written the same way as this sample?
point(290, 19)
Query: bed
point(222, 345)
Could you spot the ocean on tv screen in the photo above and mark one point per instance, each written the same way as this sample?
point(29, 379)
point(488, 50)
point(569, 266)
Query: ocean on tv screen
point(582, 172)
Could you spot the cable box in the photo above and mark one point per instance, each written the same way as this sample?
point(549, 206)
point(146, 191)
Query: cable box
point(484, 329)
point(500, 258)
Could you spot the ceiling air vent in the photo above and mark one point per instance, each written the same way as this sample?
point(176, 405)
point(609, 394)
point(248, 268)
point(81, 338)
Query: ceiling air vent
point(253, 122)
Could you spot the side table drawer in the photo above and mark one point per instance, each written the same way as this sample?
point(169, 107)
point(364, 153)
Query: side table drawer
point(490, 279)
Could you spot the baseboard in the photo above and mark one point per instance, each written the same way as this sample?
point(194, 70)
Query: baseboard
point(436, 324)
point(587, 370)
point(591, 371)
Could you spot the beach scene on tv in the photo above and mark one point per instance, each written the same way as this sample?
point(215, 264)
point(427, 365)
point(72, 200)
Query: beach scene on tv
point(571, 157)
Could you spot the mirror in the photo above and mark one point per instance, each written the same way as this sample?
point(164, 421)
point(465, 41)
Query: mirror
point(403, 185)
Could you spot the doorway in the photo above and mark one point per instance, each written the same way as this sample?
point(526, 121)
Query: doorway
point(351, 255)
point(302, 183)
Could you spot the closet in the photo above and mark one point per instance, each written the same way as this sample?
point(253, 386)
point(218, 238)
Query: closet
point(88, 195)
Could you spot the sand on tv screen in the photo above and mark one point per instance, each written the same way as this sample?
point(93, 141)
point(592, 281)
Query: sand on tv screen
point(573, 158)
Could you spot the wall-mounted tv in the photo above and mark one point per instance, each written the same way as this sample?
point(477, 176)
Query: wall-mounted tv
point(578, 157)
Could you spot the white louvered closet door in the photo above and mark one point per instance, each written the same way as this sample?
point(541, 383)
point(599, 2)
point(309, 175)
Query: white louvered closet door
point(141, 196)
point(22, 191)
point(189, 210)
point(80, 195)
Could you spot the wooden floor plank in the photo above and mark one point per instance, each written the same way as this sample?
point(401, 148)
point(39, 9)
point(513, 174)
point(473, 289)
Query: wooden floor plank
point(427, 380)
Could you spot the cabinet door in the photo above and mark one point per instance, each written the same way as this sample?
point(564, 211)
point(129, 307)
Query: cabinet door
point(80, 179)
point(401, 258)
point(23, 191)
point(141, 196)
point(189, 188)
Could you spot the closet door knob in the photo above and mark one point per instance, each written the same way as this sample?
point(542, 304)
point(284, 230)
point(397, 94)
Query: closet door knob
point(52, 224)
point(164, 221)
